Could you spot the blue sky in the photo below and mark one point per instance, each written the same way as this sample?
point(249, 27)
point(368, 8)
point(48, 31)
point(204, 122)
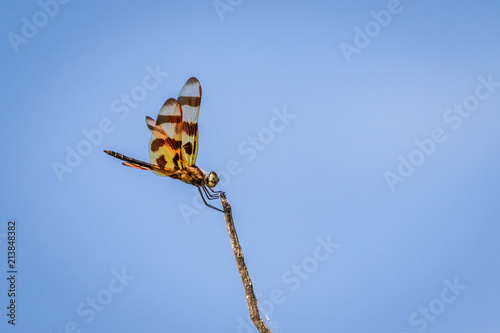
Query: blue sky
point(357, 144)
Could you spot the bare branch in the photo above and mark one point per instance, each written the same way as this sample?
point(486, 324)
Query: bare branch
point(253, 308)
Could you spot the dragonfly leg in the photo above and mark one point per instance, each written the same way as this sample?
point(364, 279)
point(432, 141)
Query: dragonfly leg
point(216, 192)
point(210, 196)
point(203, 198)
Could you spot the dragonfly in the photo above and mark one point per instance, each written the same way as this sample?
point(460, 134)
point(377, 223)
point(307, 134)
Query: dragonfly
point(173, 147)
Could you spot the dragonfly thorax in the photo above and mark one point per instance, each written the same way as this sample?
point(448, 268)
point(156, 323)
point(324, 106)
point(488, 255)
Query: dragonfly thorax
point(195, 176)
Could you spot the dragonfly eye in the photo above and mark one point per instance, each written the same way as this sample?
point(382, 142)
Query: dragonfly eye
point(212, 179)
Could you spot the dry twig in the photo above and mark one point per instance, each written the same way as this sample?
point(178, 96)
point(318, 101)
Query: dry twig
point(253, 309)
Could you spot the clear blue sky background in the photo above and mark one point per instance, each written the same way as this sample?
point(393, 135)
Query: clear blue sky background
point(419, 253)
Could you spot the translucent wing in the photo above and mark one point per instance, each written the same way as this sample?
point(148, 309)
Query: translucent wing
point(189, 100)
point(166, 139)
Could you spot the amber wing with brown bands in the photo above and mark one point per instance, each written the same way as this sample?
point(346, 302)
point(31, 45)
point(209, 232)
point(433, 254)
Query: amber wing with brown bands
point(165, 145)
point(189, 100)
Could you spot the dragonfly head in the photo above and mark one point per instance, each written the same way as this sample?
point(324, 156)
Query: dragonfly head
point(212, 179)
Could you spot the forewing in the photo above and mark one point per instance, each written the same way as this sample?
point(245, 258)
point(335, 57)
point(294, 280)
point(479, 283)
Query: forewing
point(166, 139)
point(189, 100)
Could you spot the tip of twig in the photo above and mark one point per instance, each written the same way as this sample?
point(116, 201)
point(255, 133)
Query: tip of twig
point(225, 205)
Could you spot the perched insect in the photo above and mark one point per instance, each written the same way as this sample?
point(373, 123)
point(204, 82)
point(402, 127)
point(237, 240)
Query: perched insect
point(174, 143)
